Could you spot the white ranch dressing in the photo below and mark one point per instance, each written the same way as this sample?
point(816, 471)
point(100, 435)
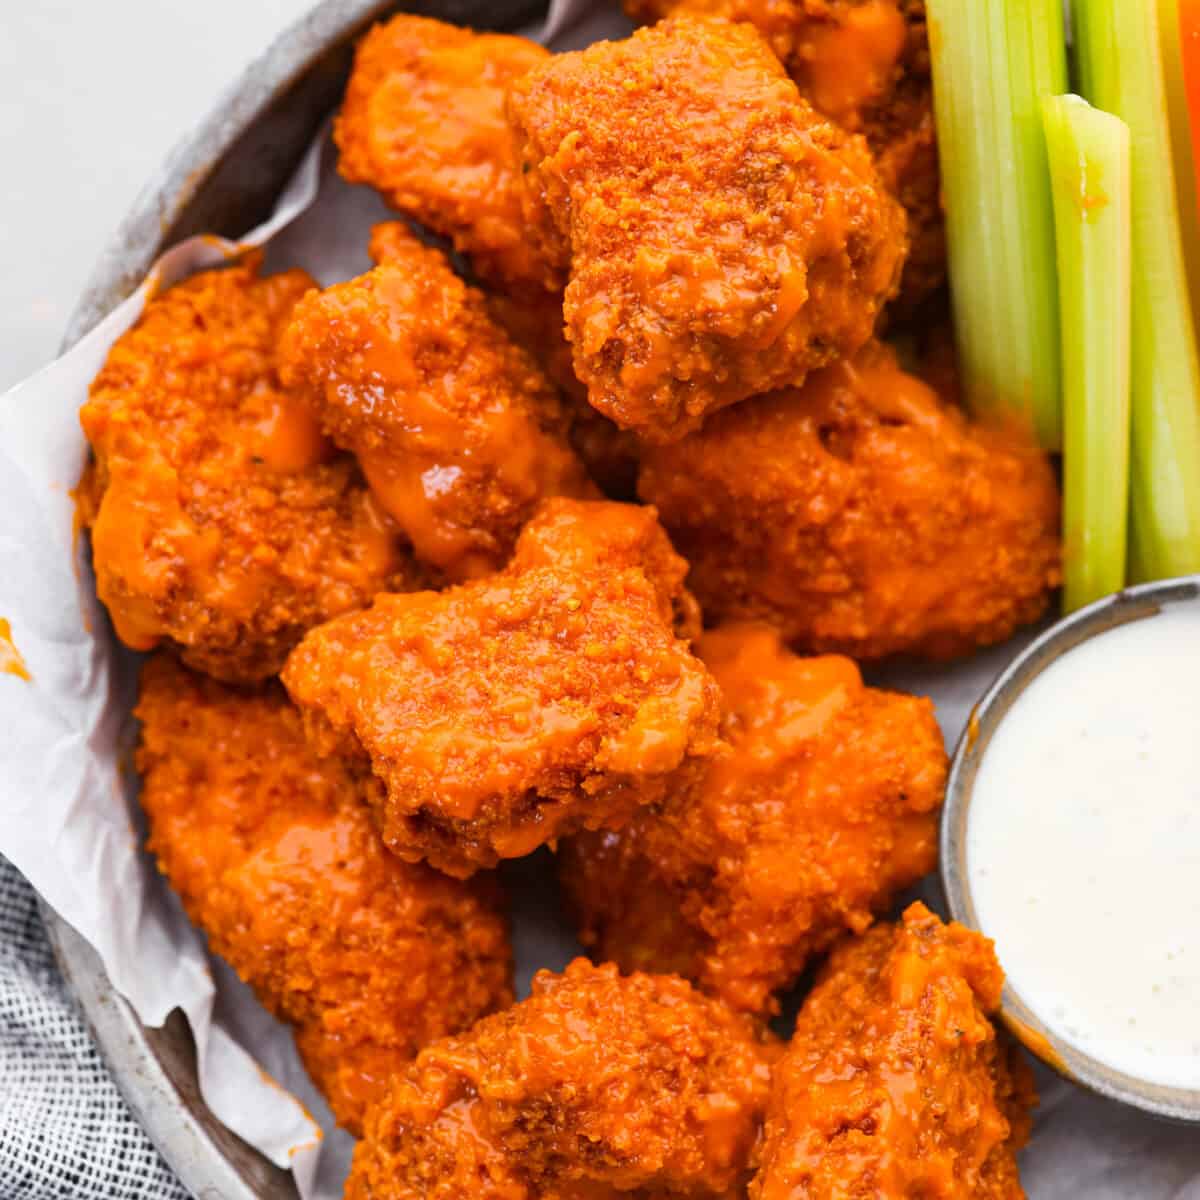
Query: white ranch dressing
point(1083, 847)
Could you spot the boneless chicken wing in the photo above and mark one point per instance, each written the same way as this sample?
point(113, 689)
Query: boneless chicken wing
point(275, 857)
point(597, 1086)
point(824, 808)
point(895, 1082)
point(500, 715)
point(865, 65)
point(457, 430)
point(423, 122)
point(222, 522)
point(861, 514)
point(721, 238)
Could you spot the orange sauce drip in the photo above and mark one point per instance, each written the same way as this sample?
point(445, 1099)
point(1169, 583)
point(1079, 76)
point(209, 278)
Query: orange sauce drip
point(288, 437)
point(851, 63)
point(11, 661)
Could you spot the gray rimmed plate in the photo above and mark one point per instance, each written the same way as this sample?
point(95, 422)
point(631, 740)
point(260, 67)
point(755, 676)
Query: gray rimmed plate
point(1132, 604)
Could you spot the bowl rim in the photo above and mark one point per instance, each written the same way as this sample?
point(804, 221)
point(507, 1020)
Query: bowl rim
point(1177, 1104)
point(209, 1160)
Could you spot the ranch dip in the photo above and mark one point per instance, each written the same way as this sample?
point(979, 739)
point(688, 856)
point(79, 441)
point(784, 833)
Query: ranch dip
point(1083, 847)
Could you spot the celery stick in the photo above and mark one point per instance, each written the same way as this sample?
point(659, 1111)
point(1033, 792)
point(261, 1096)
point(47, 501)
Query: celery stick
point(1089, 175)
point(1121, 68)
point(992, 63)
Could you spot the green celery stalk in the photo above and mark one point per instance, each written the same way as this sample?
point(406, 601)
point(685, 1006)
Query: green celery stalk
point(1089, 154)
point(992, 64)
point(1120, 61)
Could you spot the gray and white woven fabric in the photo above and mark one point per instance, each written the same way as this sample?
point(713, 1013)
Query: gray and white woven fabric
point(65, 1131)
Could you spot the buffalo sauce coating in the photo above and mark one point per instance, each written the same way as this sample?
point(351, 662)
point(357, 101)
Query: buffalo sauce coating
point(861, 514)
point(824, 807)
point(895, 1082)
point(590, 535)
point(864, 64)
point(12, 661)
point(423, 121)
point(221, 518)
point(722, 238)
point(504, 713)
point(598, 1085)
point(275, 857)
point(458, 432)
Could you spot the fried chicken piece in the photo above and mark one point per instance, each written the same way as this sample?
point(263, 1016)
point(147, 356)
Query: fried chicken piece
point(502, 714)
point(722, 238)
point(596, 535)
point(457, 430)
point(275, 857)
point(861, 514)
point(599, 1085)
point(221, 519)
point(865, 65)
point(423, 122)
point(825, 808)
point(895, 1083)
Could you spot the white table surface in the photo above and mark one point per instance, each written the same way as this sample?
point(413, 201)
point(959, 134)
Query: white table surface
point(92, 96)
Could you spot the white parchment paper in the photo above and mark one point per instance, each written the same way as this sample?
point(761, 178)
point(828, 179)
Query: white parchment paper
point(68, 814)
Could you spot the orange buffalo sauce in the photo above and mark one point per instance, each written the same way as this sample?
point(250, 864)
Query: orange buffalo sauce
point(11, 660)
point(288, 437)
point(852, 62)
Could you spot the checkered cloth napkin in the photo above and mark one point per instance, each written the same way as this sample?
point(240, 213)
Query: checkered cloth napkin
point(65, 1131)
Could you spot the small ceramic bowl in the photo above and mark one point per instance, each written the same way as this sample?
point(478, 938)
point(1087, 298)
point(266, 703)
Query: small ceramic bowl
point(1133, 604)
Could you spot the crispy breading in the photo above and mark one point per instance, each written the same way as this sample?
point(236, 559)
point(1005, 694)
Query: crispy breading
point(861, 514)
point(824, 809)
point(721, 237)
point(596, 535)
point(221, 519)
point(497, 716)
point(597, 1086)
point(865, 65)
point(457, 430)
point(895, 1082)
point(423, 122)
point(275, 858)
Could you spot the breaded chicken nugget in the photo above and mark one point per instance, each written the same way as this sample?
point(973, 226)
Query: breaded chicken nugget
point(597, 535)
point(457, 430)
point(423, 122)
point(597, 1086)
point(861, 514)
point(275, 858)
point(221, 519)
point(500, 715)
point(865, 65)
point(825, 808)
point(722, 238)
point(895, 1083)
